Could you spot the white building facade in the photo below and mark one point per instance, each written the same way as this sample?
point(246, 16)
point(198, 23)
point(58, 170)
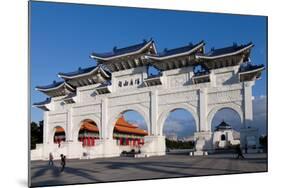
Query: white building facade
point(120, 82)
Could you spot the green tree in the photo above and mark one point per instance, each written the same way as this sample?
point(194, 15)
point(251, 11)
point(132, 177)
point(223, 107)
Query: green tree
point(36, 133)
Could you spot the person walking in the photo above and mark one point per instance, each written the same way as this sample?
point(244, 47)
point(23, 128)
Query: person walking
point(51, 159)
point(62, 162)
point(239, 152)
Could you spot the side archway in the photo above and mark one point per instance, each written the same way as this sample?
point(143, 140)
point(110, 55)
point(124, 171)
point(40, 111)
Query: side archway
point(165, 113)
point(121, 110)
point(52, 131)
point(214, 110)
point(58, 135)
point(77, 123)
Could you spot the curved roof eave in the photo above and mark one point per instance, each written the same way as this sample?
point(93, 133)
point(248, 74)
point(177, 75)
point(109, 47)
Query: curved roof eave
point(224, 55)
point(177, 55)
point(125, 54)
point(61, 75)
point(250, 71)
point(54, 88)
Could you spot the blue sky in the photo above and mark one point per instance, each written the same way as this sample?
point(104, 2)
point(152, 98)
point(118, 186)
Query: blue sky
point(64, 35)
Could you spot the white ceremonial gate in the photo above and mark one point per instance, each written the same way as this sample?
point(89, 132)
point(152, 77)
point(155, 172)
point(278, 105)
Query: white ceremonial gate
point(121, 82)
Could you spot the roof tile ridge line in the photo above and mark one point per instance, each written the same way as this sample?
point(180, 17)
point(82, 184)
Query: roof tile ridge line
point(125, 54)
point(53, 88)
point(247, 46)
point(43, 103)
point(61, 75)
point(134, 45)
point(37, 88)
point(98, 67)
point(200, 44)
point(254, 70)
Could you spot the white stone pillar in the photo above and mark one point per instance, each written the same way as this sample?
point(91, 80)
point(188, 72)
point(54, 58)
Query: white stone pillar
point(203, 104)
point(45, 128)
point(248, 104)
point(153, 113)
point(104, 119)
point(69, 127)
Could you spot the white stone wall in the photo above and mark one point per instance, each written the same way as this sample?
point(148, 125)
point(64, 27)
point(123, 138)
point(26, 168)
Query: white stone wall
point(153, 103)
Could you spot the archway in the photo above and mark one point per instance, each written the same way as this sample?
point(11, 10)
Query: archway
point(229, 116)
point(59, 135)
point(129, 130)
point(226, 125)
point(88, 133)
point(230, 109)
point(179, 128)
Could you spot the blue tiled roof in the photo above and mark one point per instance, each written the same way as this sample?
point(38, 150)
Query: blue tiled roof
point(121, 51)
point(226, 50)
point(250, 67)
point(81, 71)
point(47, 101)
point(223, 126)
point(179, 50)
point(54, 84)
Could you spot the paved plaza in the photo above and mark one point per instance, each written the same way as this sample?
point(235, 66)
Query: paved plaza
point(127, 168)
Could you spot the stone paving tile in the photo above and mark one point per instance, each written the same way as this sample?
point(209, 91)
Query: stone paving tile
point(123, 168)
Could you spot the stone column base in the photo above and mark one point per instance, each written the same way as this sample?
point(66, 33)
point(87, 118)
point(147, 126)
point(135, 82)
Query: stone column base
point(203, 143)
point(154, 146)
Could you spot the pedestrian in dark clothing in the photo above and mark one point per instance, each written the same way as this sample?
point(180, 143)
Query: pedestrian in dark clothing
point(239, 152)
point(51, 159)
point(62, 162)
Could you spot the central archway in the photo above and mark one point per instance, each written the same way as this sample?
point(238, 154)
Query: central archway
point(178, 129)
point(165, 113)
